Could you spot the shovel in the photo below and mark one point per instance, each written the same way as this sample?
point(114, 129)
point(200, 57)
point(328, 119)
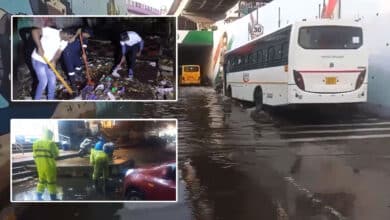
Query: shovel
point(90, 84)
point(86, 62)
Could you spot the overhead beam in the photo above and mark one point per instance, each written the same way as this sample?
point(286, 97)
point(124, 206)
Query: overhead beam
point(213, 10)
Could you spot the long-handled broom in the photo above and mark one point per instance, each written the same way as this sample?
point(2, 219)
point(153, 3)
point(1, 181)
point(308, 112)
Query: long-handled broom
point(70, 91)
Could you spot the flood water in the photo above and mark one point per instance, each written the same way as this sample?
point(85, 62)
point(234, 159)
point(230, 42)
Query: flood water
point(312, 163)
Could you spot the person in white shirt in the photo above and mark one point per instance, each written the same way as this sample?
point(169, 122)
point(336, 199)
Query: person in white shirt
point(50, 42)
point(131, 46)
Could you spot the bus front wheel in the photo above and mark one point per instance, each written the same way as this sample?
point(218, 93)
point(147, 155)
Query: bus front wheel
point(258, 98)
point(229, 92)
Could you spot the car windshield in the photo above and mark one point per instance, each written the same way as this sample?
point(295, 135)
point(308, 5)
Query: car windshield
point(330, 37)
point(191, 69)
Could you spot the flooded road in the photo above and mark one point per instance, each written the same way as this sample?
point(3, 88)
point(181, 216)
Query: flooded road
point(319, 162)
point(74, 181)
point(312, 163)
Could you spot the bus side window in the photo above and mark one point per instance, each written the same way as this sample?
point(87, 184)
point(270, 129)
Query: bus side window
point(250, 61)
point(271, 55)
point(259, 58)
point(238, 61)
point(233, 64)
point(278, 55)
point(226, 65)
point(244, 60)
point(254, 57)
point(285, 46)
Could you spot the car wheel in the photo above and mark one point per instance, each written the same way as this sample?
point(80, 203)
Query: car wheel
point(134, 195)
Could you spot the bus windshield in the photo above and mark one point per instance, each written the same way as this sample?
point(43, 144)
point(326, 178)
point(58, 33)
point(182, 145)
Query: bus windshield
point(330, 37)
point(191, 69)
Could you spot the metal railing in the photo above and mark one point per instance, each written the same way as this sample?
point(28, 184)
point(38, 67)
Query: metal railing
point(18, 148)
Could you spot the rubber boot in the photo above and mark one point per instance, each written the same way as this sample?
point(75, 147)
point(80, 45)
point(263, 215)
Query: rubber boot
point(131, 75)
point(39, 196)
point(53, 196)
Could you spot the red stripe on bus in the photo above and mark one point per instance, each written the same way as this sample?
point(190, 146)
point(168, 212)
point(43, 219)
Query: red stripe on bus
point(330, 71)
point(257, 82)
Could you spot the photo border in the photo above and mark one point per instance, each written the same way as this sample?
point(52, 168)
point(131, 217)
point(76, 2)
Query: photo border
point(96, 201)
point(99, 16)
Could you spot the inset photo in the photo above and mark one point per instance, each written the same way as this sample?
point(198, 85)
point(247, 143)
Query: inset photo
point(93, 58)
point(77, 160)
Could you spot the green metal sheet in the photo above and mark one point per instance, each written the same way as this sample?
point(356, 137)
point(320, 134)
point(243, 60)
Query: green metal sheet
point(199, 38)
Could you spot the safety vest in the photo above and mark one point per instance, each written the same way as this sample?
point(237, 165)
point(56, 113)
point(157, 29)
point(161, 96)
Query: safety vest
point(45, 149)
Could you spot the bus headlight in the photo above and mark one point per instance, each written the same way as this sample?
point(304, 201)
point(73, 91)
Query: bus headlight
point(299, 80)
point(360, 79)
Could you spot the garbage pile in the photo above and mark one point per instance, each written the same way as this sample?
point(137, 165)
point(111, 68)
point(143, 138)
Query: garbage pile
point(154, 76)
point(22, 89)
point(148, 83)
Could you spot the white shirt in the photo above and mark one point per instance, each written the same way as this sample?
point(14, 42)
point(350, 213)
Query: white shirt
point(134, 38)
point(51, 42)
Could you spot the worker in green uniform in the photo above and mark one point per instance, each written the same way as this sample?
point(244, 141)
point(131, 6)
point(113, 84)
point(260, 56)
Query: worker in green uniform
point(45, 152)
point(99, 160)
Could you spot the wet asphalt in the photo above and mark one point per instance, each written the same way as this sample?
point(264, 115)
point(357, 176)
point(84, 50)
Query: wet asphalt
point(74, 181)
point(296, 163)
point(304, 162)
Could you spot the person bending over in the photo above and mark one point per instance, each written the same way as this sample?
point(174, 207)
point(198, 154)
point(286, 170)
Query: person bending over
point(50, 43)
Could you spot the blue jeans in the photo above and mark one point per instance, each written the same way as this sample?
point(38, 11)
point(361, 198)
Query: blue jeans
point(131, 55)
point(45, 77)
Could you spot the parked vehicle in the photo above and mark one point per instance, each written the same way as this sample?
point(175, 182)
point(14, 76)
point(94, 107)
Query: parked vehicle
point(85, 146)
point(190, 75)
point(309, 62)
point(154, 183)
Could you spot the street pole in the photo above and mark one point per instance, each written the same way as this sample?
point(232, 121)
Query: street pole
point(239, 9)
point(257, 14)
point(323, 8)
point(319, 11)
point(279, 17)
point(339, 9)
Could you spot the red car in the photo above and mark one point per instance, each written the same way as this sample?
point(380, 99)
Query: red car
point(154, 183)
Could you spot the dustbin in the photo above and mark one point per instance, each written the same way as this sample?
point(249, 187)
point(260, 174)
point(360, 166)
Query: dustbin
point(65, 146)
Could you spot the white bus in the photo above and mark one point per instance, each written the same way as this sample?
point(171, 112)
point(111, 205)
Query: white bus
point(320, 61)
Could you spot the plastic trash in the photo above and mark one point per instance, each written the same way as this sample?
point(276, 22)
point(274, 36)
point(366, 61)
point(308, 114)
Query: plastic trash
point(164, 93)
point(100, 87)
point(111, 96)
point(153, 64)
point(122, 91)
point(163, 82)
point(115, 72)
point(91, 97)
